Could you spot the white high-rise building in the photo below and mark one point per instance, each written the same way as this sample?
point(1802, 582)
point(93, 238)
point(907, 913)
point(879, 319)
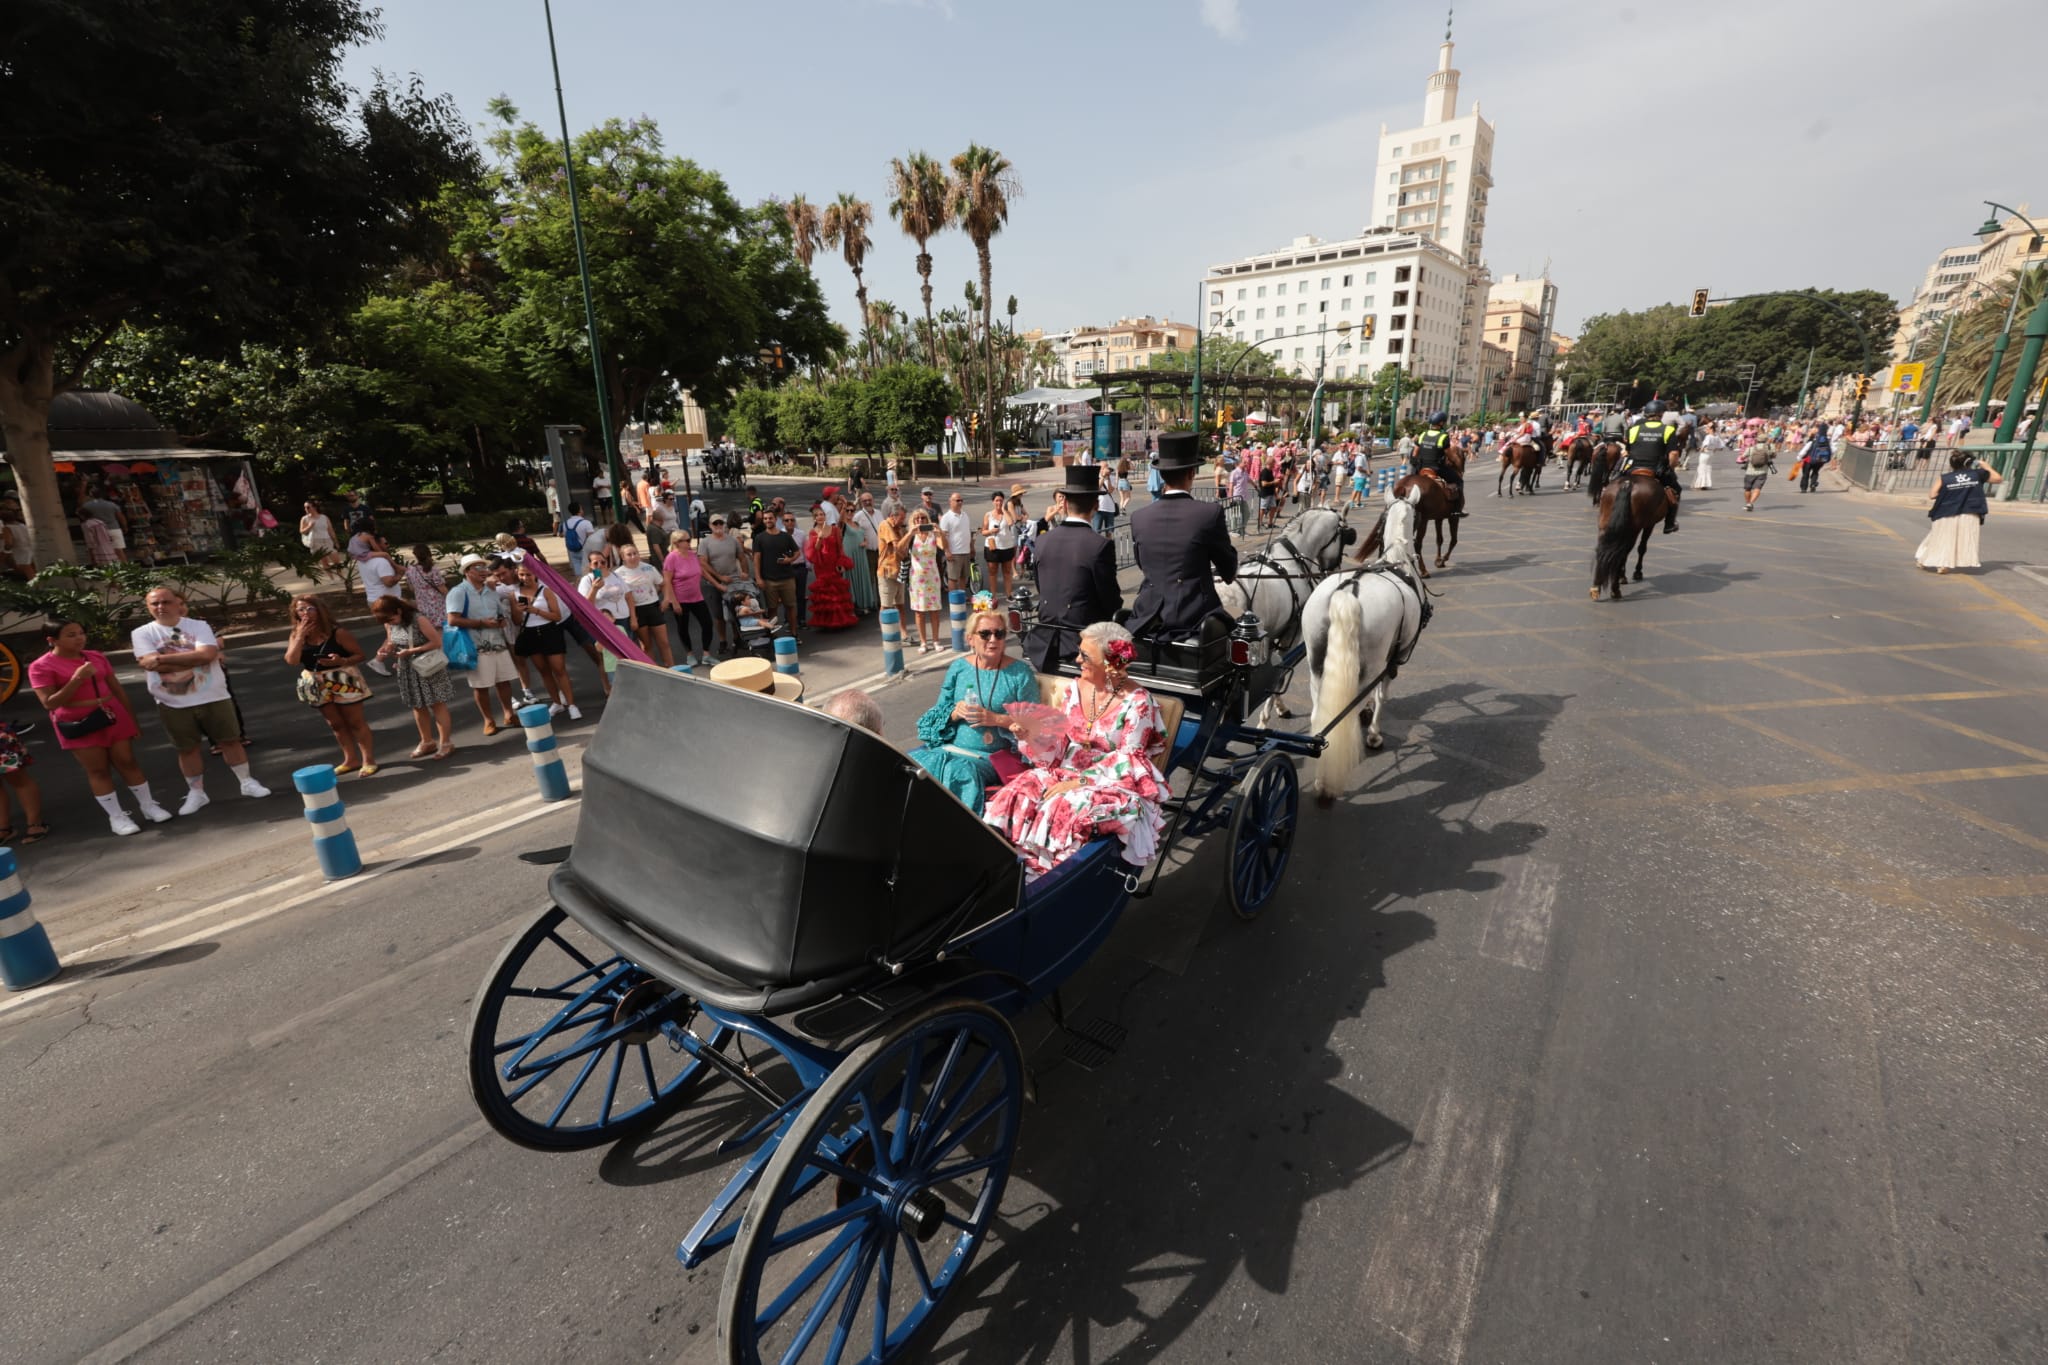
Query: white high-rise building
point(1433, 180)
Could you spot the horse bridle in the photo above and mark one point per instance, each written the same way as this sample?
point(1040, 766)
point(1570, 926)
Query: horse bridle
point(1304, 574)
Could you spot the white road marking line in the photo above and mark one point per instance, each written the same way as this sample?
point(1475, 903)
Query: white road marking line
point(160, 1325)
point(340, 1004)
point(1517, 929)
point(1425, 1268)
point(2032, 573)
point(67, 949)
point(43, 993)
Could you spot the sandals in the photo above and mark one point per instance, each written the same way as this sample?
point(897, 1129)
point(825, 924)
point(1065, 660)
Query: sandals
point(490, 728)
point(36, 833)
point(443, 751)
point(424, 750)
point(370, 770)
point(344, 769)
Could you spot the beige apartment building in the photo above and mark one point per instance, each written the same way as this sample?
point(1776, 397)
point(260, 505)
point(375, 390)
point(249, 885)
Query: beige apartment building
point(1961, 276)
point(1518, 317)
point(1126, 344)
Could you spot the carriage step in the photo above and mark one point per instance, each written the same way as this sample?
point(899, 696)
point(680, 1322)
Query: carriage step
point(1093, 1043)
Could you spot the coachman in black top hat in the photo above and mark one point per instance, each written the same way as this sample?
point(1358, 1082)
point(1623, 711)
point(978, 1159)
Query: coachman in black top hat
point(1181, 543)
point(1076, 576)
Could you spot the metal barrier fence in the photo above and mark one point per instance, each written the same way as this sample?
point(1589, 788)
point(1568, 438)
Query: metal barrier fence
point(1900, 468)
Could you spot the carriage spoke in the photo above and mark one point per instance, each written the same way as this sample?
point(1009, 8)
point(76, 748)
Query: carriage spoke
point(902, 1134)
point(964, 1169)
point(856, 1292)
point(966, 1130)
point(931, 1103)
point(815, 1319)
point(922, 1150)
point(570, 951)
point(884, 1165)
point(824, 1222)
point(807, 1277)
point(841, 1171)
point(611, 1084)
point(575, 1088)
point(914, 1258)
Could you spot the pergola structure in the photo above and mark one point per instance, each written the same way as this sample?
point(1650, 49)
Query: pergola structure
point(1171, 393)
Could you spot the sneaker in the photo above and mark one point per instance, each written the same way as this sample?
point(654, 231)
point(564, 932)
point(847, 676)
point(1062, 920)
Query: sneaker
point(526, 698)
point(193, 802)
point(123, 823)
point(377, 665)
point(252, 787)
point(156, 814)
point(555, 709)
point(575, 714)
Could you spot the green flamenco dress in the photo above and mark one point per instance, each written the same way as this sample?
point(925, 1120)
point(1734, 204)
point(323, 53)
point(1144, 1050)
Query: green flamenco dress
point(955, 752)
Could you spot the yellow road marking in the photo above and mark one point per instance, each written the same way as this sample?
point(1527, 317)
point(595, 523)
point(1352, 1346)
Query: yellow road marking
point(2007, 605)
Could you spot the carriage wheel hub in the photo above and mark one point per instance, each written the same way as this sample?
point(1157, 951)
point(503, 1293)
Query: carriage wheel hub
point(636, 1001)
point(921, 1215)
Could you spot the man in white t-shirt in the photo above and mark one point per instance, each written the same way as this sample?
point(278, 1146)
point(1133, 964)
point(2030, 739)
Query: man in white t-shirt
point(380, 579)
point(181, 658)
point(958, 530)
point(578, 531)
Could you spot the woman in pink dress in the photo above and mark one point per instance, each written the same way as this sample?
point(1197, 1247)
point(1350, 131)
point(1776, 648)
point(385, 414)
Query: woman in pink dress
point(1095, 778)
point(94, 722)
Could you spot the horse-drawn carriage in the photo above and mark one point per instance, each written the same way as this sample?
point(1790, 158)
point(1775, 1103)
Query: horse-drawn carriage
point(845, 946)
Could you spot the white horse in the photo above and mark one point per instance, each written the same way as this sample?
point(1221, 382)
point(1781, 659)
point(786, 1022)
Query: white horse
point(1359, 626)
point(1275, 584)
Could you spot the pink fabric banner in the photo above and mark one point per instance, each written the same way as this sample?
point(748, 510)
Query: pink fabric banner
point(596, 622)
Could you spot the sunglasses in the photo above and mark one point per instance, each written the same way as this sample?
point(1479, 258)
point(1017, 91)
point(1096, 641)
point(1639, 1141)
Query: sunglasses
point(991, 634)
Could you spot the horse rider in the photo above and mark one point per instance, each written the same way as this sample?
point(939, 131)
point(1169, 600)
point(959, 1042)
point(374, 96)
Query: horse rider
point(1651, 444)
point(1614, 427)
point(1076, 576)
point(1182, 545)
point(1432, 451)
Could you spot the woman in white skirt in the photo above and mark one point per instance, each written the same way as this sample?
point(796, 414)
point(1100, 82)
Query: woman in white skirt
point(1958, 514)
point(1713, 444)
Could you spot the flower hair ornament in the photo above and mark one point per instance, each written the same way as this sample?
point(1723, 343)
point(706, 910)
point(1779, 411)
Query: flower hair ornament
point(1118, 654)
point(983, 601)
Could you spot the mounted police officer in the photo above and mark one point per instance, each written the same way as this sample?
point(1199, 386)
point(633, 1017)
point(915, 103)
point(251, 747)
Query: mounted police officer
point(1652, 442)
point(1180, 543)
point(1432, 452)
point(1076, 568)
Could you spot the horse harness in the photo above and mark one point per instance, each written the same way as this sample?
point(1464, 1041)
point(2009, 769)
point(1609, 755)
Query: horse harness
point(1276, 568)
point(1396, 657)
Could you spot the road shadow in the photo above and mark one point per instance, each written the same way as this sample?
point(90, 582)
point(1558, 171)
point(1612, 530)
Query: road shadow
point(142, 962)
point(1694, 580)
point(1504, 564)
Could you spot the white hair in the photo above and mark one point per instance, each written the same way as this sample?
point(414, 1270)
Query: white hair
point(856, 707)
point(1106, 633)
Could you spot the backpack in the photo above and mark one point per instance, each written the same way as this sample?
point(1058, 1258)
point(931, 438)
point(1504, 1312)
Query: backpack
point(572, 534)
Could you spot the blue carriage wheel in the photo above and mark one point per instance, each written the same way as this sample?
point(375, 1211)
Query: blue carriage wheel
point(572, 1046)
point(1262, 832)
point(878, 1196)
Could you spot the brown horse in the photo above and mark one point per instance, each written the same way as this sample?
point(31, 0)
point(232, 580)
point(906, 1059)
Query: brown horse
point(1437, 504)
point(1630, 506)
point(1519, 463)
point(1578, 460)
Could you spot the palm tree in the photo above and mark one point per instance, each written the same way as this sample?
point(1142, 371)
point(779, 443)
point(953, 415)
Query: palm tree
point(803, 225)
point(979, 194)
point(845, 225)
point(918, 202)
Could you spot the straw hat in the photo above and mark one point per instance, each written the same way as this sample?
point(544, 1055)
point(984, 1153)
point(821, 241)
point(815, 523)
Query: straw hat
point(757, 675)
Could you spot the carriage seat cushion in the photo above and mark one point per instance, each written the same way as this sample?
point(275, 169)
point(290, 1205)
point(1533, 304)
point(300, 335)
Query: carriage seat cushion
point(1052, 690)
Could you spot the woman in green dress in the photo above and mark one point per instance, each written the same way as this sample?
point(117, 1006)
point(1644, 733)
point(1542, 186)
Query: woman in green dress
point(965, 724)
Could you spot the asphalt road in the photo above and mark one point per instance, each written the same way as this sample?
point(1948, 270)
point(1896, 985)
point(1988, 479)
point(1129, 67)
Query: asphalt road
point(1668, 990)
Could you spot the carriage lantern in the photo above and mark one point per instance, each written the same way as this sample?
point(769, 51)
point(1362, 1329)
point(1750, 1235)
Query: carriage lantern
point(1023, 609)
point(1248, 642)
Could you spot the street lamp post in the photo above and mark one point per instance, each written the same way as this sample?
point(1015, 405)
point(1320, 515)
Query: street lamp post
point(1991, 228)
point(604, 407)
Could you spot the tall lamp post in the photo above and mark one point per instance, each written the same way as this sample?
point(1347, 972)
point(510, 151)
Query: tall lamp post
point(1991, 228)
point(1934, 375)
point(604, 407)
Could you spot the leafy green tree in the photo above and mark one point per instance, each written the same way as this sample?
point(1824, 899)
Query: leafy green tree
point(750, 417)
point(801, 420)
point(1976, 332)
point(848, 414)
point(980, 190)
point(907, 406)
point(691, 288)
point(200, 166)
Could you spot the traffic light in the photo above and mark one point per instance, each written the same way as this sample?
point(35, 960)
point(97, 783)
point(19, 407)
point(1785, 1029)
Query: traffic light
point(1862, 387)
point(1699, 303)
point(1365, 328)
point(974, 424)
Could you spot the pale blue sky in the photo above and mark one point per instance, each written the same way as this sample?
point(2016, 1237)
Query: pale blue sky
point(1793, 142)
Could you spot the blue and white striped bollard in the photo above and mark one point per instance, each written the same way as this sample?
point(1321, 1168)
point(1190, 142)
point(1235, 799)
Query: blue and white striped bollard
point(26, 957)
point(547, 759)
point(785, 656)
point(892, 642)
point(956, 607)
point(333, 842)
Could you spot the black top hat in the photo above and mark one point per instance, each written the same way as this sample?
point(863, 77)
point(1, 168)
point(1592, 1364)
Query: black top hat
point(1082, 481)
point(1178, 450)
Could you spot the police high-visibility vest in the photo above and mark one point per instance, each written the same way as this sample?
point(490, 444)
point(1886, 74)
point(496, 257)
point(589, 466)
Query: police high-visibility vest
point(1647, 444)
point(1432, 440)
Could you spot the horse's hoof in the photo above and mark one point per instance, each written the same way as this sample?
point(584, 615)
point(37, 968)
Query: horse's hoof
point(1637, 576)
point(1324, 800)
point(1593, 593)
point(1375, 742)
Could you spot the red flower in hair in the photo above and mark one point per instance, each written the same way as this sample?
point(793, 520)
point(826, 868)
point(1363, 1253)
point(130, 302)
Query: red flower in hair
point(1119, 652)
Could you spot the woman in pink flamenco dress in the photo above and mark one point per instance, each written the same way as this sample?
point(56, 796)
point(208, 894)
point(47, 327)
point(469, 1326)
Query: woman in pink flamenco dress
point(1095, 777)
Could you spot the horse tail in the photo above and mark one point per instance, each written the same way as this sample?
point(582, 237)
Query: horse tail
point(1610, 552)
point(1598, 479)
point(1345, 747)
